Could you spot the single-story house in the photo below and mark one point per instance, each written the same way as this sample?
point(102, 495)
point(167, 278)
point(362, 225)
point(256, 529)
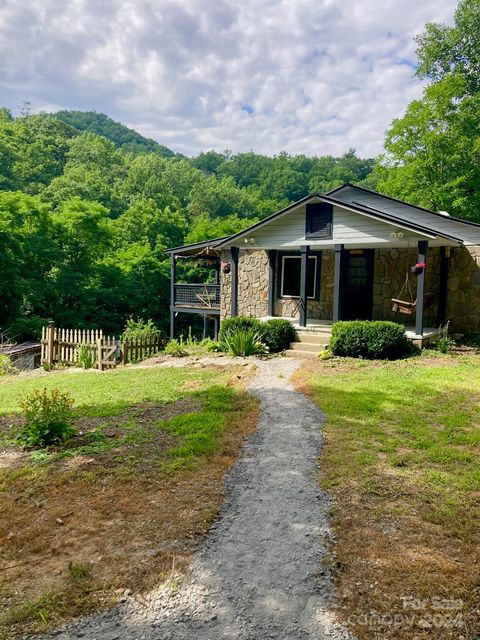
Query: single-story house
point(347, 254)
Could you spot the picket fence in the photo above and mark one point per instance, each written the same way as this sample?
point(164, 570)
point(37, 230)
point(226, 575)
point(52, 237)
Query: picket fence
point(60, 346)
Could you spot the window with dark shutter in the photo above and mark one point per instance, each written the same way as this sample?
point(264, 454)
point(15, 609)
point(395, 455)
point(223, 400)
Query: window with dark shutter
point(319, 220)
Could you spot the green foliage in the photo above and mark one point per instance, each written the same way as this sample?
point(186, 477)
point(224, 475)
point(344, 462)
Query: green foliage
point(48, 416)
point(86, 355)
point(277, 334)
point(6, 366)
point(238, 323)
point(444, 342)
point(243, 342)
point(141, 329)
point(123, 137)
point(87, 208)
point(432, 152)
point(176, 348)
point(369, 339)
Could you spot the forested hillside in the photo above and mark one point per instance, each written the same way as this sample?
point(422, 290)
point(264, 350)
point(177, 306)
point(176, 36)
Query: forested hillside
point(123, 137)
point(84, 219)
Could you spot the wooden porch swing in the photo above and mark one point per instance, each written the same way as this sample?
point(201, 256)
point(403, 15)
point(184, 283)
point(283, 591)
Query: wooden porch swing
point(407, 307)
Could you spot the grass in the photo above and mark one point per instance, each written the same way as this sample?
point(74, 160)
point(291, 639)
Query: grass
point(401, 461)
point(121, 502)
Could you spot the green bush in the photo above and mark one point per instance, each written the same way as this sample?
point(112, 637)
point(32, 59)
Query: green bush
point(6, 366)
point(176, 348)
point(277, 334)
point(238, 323)
point(48, 417)
point(444, 342)
point(369, 339)
point(243, 342)
point(140, 328)
point(86, 355)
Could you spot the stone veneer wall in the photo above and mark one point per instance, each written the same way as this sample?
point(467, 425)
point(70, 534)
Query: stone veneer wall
point(252, 284)
point(390, 269)
point(463, 296)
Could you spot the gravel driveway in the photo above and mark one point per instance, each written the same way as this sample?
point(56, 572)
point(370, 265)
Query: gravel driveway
point(259, 573)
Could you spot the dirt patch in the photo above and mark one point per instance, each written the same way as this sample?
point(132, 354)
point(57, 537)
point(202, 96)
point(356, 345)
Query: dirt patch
point(115, 518)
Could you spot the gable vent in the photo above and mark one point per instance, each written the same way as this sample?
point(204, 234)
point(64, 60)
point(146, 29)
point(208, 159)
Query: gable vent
point(319, 217)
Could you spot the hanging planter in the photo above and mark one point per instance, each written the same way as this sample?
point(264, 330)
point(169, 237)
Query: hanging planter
point(418, 268)
point(226, 267)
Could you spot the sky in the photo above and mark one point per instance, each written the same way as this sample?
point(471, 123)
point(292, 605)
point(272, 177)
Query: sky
point(303, 76)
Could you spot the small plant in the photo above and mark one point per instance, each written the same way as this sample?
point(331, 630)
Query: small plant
point(6, 366)
point(326, 354)
point(176, 348)
point(86, 355)
point(48, 417)
point(237, 323)
point(79, 571)
point(381, 340)
point(244, 342)
point(210, 345)
point(140, 328)
point(444, 343)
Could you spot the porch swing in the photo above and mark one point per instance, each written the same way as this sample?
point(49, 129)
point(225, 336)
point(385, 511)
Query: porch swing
point(407, 307)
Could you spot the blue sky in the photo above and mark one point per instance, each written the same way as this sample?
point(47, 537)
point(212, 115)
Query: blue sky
point(303, 76)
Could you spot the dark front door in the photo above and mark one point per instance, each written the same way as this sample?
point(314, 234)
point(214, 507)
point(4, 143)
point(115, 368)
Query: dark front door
point(357, 284)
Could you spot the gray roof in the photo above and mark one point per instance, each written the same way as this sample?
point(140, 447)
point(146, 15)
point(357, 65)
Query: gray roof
point(375, 205)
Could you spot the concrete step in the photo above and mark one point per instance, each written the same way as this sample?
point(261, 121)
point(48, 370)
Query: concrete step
point(300, 354)
point(313, 339)
point(306, 346)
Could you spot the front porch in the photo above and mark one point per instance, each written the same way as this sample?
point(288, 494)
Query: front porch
point(322, 329)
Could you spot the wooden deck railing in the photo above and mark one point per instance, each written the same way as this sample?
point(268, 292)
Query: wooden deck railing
point(204, 296)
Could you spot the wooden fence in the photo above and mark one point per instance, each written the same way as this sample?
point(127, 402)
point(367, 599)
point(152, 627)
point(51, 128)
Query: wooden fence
point(60, 346)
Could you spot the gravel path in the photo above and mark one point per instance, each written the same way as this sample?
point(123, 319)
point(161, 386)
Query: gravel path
point(258, 575)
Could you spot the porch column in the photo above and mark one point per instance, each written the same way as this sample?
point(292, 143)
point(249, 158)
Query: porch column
point(205, 326)
point(173, 278)
point(442, 294)
point(303, 285)
point(272, 258)
point(337, 275)
point(215, 328)
point(234, 275)
point(422, 257)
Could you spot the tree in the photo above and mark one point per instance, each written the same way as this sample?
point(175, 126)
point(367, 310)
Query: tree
point(433, 152)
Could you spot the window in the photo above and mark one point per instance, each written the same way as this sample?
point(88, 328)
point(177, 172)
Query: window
point(319, 220)
point(290, 278)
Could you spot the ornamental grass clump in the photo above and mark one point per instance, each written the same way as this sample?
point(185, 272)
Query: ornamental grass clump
point(48, 418)
point(243, 342)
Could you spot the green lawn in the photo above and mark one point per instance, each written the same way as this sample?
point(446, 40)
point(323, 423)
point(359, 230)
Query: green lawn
point(402, 456)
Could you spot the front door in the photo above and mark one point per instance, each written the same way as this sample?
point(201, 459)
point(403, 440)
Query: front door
point(357, 284)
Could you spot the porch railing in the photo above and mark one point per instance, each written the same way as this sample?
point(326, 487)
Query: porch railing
point(204, 296)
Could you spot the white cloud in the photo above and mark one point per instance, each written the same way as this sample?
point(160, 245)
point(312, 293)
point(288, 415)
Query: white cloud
point(305, 76)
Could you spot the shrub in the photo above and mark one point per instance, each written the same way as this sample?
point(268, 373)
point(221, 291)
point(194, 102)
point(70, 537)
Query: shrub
point(140, 328)
point(277, 334)
point(86, 355)
point(243, 342)
point(369, 339)
point(48, 417)
point(176, 348)
point(239, 323)
point(6, 366)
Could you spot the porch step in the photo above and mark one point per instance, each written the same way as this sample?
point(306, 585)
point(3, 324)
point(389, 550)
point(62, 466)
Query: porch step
point(312, 347)
point(313, 338)
point(291, 353)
